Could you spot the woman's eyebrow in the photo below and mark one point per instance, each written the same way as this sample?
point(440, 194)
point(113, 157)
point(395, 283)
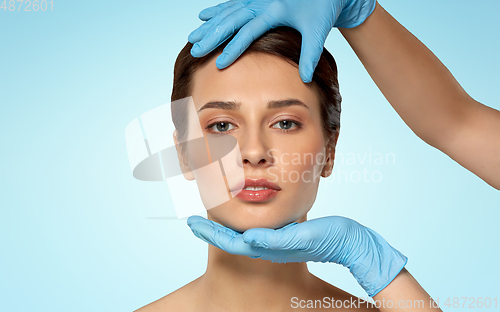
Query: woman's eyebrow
point(285, 103)
point(232, 105)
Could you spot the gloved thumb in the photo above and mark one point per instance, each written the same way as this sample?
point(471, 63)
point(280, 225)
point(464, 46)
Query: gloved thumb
point(310, 53)
point(280, 239)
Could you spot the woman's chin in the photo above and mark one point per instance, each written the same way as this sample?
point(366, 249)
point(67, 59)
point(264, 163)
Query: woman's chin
point(260, 217)
point(243, 226)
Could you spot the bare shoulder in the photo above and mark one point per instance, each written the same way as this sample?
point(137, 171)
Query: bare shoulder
point(180, 300)
point(340, 300)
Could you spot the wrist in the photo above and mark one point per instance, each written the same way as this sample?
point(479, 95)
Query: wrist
point(355, 13)
point(378, 265)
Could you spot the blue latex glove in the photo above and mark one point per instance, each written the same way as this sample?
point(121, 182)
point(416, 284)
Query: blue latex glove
point(371, 260)
point(312, 18)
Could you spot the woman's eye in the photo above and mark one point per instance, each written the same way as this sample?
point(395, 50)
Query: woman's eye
point(224, 126)
point(286, 125)
point(221, 126)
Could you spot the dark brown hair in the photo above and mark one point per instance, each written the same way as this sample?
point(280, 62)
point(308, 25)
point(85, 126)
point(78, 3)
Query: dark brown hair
point(284, 42)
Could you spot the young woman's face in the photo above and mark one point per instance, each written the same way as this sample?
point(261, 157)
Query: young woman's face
point(283, 144)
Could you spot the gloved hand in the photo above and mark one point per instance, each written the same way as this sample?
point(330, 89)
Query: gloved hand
point(371, 260)
point(312, 18)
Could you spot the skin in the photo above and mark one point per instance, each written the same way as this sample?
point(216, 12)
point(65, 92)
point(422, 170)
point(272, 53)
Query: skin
point(240, 283)
point(434, 105)
point(267, 150)
point(427, 96)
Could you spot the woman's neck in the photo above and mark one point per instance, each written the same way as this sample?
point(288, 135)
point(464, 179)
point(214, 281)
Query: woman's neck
point(239, 281)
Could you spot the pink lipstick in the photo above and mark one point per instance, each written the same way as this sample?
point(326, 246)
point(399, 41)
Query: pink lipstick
point(258, 190)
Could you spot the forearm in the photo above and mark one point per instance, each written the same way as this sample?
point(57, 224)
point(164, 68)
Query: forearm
point(404, 293)
point(414, 81)
point(427, 96)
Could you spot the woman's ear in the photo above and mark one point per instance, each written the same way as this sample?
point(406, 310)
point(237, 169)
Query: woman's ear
point(186, 171)
point(330, 155)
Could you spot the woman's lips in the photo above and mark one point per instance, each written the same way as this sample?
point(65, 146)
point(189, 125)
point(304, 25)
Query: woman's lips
point(257, 195)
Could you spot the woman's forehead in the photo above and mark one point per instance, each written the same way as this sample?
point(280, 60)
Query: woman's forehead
point(253, 77)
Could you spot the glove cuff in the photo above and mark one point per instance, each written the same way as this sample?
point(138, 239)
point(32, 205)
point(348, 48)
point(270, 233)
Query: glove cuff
point(355, 13)
point(394, 272)
point(379, 266)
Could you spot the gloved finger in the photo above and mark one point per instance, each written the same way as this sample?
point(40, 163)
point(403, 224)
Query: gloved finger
point(245, 36)
point(225, 29)
point(223, 238)
point(200, 32)
point(310, 54)
point(232, 242)
point(210, 12)
point(194, 219)
point(286, 238)
point(281, 256)
point(252, 240)
point(289, 225)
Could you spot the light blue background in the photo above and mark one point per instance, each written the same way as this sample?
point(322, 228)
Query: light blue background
point(75, 233)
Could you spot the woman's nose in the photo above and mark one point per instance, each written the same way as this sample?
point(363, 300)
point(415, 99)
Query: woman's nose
point(255, 150)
